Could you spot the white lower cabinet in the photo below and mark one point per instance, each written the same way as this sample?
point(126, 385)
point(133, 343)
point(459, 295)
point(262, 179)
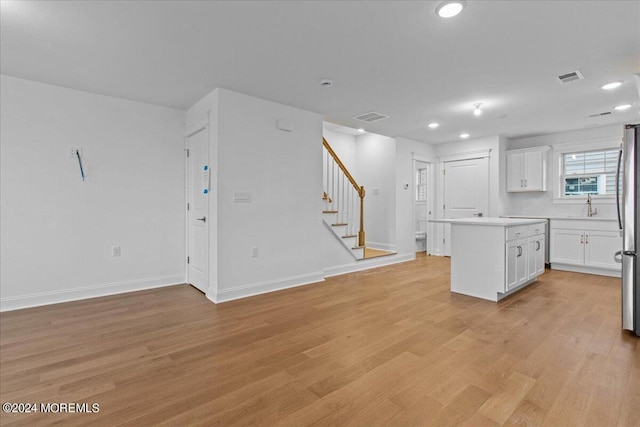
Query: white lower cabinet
point(524, 260)
point(585, 245)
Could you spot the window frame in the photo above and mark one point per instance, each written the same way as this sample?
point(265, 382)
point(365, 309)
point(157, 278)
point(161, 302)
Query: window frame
point(559, 150)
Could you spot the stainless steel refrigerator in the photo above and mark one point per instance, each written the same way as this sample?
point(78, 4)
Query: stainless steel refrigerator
point(629, 222)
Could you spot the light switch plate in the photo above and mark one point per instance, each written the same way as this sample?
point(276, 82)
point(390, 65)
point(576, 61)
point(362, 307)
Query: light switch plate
point(241, 197)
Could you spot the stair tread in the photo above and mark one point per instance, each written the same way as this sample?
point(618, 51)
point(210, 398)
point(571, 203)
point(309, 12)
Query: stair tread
point(329, 211)
point(339, 224)
point(348, 236)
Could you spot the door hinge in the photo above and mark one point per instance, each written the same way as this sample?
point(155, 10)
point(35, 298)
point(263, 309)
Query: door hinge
point(187, 150)
point(443, 206)
point(443, 240)
point(187, 206)
point(444, 171)
point(188, 259)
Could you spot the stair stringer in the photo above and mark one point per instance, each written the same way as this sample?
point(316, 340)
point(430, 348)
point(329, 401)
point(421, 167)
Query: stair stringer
point(349, 243)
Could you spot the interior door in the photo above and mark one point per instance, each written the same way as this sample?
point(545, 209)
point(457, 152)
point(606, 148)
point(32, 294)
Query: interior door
point(198, 209)
point(466, 192)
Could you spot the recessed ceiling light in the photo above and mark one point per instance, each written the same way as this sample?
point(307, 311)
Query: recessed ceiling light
point(477, 111)
point(361, 130)
point(450, 8)
point(623, 107)
point(464, 135)
point(433, 125)
point(611, 85)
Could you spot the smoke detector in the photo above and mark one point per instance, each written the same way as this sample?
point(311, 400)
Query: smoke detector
point(570, 77)
point(370, 117)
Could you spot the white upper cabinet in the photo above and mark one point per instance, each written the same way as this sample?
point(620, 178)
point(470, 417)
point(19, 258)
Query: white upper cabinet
point(527, 169)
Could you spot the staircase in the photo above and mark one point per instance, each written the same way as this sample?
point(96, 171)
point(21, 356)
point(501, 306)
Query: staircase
point(343, 201)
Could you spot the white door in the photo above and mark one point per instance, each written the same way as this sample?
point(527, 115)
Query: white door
point(198, 210)
point(466, 192)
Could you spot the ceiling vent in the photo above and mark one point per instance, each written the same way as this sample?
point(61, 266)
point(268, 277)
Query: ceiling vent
point(570, 77)
point(606, 113)
point(370, 117)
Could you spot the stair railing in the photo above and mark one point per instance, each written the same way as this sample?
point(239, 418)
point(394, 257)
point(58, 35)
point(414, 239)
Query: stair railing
point(343, 194)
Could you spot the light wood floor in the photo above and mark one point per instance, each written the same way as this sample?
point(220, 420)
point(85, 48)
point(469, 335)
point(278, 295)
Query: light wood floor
point(376, 253)
point(390, 346)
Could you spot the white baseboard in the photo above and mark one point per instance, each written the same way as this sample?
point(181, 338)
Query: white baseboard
point(264, 287)
point(66, 295)
point(367, 264)
point(587, 270)
point(381, 246)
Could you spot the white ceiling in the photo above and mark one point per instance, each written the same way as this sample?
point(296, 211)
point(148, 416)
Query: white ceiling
point(393, 57)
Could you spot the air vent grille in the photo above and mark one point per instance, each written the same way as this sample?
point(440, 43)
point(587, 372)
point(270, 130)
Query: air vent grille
point(570, 77)
point(370, 117)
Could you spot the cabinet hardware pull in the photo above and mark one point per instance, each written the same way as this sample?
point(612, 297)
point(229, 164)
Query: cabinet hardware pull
point(586, 239)
point(519, 251)
point(538, 242)
point(582, 239)
point(525, 182)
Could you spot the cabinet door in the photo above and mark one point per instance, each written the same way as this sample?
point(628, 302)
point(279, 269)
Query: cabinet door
point(540, 255)
point(532, 252)
point(599, 248)
point(515, 171)
point(522, 258)
point(567, 246)
point(511, 273)
point(534, 171)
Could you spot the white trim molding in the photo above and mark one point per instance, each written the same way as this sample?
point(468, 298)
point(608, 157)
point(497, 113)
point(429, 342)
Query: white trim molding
point(224, 295)
point(367, 264)
point(467, 155)
point(67, 295)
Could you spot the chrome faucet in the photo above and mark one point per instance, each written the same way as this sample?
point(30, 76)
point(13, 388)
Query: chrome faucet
point(590, 211)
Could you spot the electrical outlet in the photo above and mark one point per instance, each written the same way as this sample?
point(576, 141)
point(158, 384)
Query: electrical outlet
point(115, 251)
point(254, 252)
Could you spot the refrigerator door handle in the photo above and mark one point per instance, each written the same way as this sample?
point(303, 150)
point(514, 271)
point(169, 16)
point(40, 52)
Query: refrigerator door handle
point(618, 189)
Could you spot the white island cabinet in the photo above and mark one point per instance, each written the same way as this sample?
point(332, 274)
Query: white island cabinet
point(494, 257)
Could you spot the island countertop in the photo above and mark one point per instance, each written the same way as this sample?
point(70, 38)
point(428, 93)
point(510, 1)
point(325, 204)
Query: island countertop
point(490, 221)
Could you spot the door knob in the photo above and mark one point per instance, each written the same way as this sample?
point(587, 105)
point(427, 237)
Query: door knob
point(203, 219)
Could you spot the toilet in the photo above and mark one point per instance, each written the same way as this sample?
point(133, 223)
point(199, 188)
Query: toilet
point(421, 241)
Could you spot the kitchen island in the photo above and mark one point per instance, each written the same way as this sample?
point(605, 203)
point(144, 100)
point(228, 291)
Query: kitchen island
point(495, 257)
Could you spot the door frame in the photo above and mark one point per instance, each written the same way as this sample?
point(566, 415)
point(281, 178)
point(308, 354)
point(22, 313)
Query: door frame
point(469, 155)
point(192, 130)
point(431, 191)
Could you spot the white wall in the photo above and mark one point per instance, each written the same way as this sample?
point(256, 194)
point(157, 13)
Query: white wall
point(57, 231)
point(344, 146)
point(377, 173)
point(543, 203)
point(283, 173)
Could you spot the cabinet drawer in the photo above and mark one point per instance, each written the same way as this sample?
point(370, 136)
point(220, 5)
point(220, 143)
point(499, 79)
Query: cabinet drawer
point(518, 232)
point(536, 229)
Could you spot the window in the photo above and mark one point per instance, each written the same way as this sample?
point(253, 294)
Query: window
point(589, 172)
point(421, 185)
